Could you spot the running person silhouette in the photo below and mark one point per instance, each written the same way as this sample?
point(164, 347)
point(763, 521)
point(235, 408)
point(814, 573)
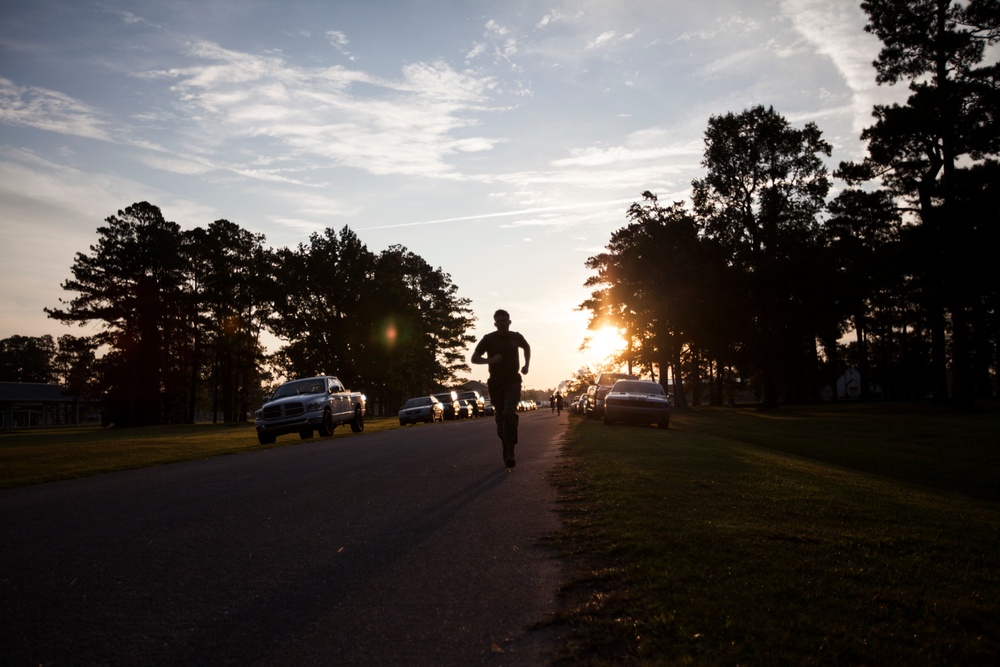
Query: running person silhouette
point(499, 349)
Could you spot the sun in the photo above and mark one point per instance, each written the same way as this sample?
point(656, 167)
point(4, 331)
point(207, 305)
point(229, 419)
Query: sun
point(604, 342)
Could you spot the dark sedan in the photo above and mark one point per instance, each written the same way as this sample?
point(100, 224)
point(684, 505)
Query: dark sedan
point(421, 409)
point(637, 401)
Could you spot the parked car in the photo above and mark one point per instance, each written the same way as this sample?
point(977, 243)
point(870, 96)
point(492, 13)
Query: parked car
point(479, 405)
point(466, 409)
point(307, 405)
point(637, 401)
point(597, 392)
point(425, 409)
point(488, 409)
point(449, 402)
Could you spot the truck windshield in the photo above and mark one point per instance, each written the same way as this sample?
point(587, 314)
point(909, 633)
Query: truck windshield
point(300, 387)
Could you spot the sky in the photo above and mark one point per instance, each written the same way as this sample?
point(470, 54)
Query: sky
point(500, 140)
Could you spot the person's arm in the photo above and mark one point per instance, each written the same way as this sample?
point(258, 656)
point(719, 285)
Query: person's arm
point(527, 355)
point(479, 355)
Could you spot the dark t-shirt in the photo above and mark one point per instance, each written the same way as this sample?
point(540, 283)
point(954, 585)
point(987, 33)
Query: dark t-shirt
point(496, 342)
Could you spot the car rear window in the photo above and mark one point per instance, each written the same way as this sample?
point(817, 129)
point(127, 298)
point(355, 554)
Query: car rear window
point(415, 402)
point(609, 379)
point(638, 387)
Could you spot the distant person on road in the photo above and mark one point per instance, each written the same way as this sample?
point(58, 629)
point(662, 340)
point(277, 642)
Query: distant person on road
point(499, 349)
point(559, 404)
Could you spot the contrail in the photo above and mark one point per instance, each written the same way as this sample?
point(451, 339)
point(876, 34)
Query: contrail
point(484, 216)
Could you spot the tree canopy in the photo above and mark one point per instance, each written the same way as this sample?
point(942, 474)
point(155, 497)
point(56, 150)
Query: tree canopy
point(182, 314)
point(767, 277)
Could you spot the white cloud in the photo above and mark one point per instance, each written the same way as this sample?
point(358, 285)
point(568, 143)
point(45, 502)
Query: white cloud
point(595, 157)
point(836, 30)
point(339, 41)
point(49, 110)
point(553, 16)
point(129, 18)
point(602, 39)
point(494, 27)
point(408, 126)
point(477, 50)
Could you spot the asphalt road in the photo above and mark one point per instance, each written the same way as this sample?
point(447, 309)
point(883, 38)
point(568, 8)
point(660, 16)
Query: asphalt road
point(408, 547)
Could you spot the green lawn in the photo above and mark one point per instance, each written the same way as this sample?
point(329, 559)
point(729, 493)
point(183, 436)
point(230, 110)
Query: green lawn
point(44, 455)
point(862, 534)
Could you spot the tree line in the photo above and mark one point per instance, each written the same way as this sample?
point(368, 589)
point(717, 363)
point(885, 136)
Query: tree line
point(181, 317)
point(761, 278)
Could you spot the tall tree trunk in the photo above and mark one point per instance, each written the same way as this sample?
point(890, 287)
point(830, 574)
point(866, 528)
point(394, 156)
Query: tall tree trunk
point(963, 382)
point(939, 354)
point(674, 363)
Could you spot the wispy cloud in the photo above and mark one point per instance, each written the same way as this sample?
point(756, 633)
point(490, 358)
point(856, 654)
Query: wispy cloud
point(409, 125)
point(836, 30)
point(130, 18)
point(552, 17)
point(738, 61)
point(733, 24)
point(505, 214)
point(339, 41)
point(49, 110)
point(597, 157)
point(610, 37)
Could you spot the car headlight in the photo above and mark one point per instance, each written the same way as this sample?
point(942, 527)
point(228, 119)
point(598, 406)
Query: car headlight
point(314, 405)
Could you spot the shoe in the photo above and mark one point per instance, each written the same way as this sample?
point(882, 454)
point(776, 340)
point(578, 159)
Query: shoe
point(510, 463)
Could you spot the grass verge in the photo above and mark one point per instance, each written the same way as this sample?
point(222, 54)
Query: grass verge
point(45, 455)
point(828, 535)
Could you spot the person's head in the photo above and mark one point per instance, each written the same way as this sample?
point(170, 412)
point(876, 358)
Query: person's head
point(501, 320)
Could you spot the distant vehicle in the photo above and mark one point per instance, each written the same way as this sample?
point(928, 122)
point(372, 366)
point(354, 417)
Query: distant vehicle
point(488, 409)
point(466, 409)
point(637, 401)
point(479, 405)
point(449, 401)
point(597, 392)
point(425, 409)
point(309, 404)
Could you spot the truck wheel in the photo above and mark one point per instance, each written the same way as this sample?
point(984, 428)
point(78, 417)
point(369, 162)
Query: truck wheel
point(265, 438)
point(306, 433)
point(326, 426)
point(358, 423)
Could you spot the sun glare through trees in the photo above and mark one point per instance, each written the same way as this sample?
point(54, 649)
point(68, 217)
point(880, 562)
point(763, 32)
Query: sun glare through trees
point(603, 344)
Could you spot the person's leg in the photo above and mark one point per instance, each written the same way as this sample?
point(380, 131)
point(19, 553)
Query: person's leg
point(497, 398)
point(509, 418)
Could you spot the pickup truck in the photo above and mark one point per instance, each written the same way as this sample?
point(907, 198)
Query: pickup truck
point(308, 404)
